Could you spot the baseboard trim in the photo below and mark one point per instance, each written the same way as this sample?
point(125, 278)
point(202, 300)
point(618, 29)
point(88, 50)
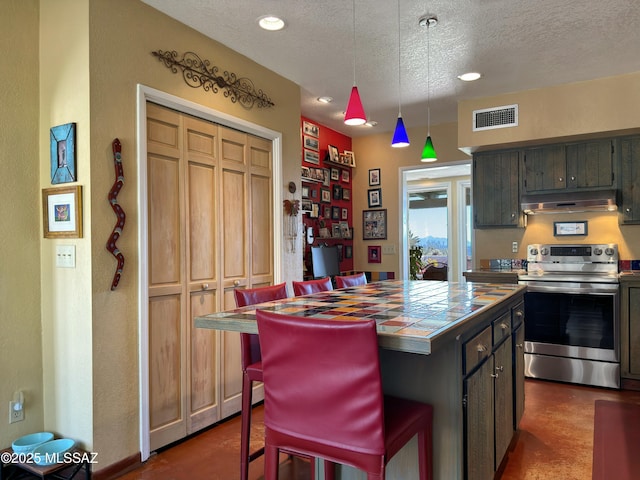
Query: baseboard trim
point(630, 384)
point(118, 469)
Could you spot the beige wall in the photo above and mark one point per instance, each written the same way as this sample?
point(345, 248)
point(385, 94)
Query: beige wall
point(20, 338)
point(375, 151)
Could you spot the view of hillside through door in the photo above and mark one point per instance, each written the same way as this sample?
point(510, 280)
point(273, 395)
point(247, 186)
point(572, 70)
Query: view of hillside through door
point(438, 221)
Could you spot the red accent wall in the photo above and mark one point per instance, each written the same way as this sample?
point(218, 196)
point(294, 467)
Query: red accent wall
point(327, 136)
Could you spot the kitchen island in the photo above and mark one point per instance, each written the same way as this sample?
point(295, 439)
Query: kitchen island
point(447, 344)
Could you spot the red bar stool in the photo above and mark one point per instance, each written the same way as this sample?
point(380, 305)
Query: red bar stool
point(252, 367)
point(344, 281)
point(323, 397)
point(311, 286)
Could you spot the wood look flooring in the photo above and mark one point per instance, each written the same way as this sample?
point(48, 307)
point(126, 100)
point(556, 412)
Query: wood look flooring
point(555, 441)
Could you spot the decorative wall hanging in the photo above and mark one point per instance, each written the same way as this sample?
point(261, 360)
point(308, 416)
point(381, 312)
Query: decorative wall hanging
point(63, 153)
point(117, 230)
point(200, 73)
point(62, 212)
point(291, 208)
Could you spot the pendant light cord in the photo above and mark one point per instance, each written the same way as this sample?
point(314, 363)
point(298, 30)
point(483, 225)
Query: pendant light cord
point(428, 81)
point(399, 76)
point(354, 43)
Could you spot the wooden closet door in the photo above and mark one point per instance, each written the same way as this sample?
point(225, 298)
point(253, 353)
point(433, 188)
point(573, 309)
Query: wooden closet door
point(201, 146)
point(167, 326)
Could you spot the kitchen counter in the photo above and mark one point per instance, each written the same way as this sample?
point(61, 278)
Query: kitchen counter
point(493, 275)
point(430, 333)
point(412, 316)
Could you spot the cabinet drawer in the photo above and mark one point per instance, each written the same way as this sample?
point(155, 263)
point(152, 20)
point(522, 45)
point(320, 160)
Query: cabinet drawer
point(477, 349)
point(501, 328)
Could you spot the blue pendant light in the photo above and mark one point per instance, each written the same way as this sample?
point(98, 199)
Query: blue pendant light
point(400, 138)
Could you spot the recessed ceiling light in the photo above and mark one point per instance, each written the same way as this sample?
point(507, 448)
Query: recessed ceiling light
point(469, 77)
point(325, 99)
point(271, 23)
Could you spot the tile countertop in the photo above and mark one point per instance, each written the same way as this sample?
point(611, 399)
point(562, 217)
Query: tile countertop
point(412, 316)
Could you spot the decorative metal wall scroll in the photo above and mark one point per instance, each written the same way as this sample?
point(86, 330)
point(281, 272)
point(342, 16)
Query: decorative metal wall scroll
point(117, 230)
point(200, 73)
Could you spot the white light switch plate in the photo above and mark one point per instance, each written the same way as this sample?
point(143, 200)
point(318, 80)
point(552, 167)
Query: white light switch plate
point(389, 249)
point(66, 256)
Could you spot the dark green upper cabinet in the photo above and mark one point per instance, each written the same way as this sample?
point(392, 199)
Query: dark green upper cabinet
point(629, 205)
point(496, 196)
point(573, 166)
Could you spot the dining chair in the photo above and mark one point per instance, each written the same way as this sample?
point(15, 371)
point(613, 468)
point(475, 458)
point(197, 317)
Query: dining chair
point(315, 406)
point(344, 281)
point(312, 286)
point(251, 367)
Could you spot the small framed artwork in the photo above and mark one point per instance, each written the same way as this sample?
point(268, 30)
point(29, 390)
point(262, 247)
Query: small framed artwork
point(326, 179)
point(374, 253)
point(335, 174)
point(327, 211)
point(337, 192)
point(374, 224)
point(345, 230)
point(62, 212)
point(325, 195)
point(561, 229)
point(346, 176)
point(374, 177)
point(306, 205)
point(334, 155)
point(63, 153)
point(314, 192)
point(311, 143)
point(315, 210)
point(335, 213)
point(346, 194)
point(375, 197)
point(305, 192)
point(350, 158)
point(311, 157)
point(306, 172)
point(335, 230)
point(345, 214)
point(348, 251)
point(340, 248)
point(311, 129)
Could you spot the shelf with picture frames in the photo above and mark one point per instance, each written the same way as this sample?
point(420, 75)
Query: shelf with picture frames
point(344, 159)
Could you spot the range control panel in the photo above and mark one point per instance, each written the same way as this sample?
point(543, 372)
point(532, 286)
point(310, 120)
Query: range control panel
point(570, 253)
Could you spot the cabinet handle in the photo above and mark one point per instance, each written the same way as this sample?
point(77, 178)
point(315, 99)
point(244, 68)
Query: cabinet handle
point(482, 348)
point(519, 345)
point(560, 179)
point(500, 369)
point(205, 286)
point(504, 326)
point(628, 210)
point(519, 313)
point(573, 179)
point(236, 283)
point(494, 375)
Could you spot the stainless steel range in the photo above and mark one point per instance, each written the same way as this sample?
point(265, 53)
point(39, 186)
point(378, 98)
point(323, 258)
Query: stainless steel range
point(572, 329)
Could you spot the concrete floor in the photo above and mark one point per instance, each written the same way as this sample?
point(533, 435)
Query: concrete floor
point(555, 441)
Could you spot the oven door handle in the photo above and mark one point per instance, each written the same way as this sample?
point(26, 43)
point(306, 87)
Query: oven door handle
point(570, 287)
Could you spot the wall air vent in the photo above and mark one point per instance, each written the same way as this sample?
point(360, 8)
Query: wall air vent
point(495, 117)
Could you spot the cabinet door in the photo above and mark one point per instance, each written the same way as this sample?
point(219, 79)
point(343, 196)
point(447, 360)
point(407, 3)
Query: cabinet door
point(518, 375)
point(478, 423)
point(634, 331)
point(496, 199)
point(503, 378)
point(545, 168)
point(590, 165)
point(629, 180)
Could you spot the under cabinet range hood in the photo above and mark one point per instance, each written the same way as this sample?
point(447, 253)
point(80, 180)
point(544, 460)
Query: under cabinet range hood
point(569, 202)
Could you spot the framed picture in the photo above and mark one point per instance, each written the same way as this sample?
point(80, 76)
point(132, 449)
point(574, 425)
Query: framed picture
point(311, 143)
point(374, 224)
point(561, 229)
point(327, 211)
point(375, 197)
point(335, 174)
point(63, 153)
point(337, 192)
point(311, 157)
point(325, 195)
point(346, 194)
point(345, 214)
point(335, 230)
point(334, 155)
point(326, 180)
point(314, 192)
point(305, 192)
point(306, 205)
point(374, 177)
point(349, 158)
point(315, 210)
point(374, 253)
point(340, 248)
point(335, 213)
point(346, 176)
point(348, 251)
point(62, 212)
point(309, 128)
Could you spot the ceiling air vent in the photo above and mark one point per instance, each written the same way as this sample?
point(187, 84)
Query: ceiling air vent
point(495, 117)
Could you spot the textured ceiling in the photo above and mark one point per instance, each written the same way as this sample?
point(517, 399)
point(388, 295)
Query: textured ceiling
point(515, 44)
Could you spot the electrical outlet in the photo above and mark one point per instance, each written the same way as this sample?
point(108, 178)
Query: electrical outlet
point(15, 415)
point(514, 247)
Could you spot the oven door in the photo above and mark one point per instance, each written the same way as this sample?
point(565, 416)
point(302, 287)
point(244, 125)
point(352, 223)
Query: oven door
point(572, 319)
